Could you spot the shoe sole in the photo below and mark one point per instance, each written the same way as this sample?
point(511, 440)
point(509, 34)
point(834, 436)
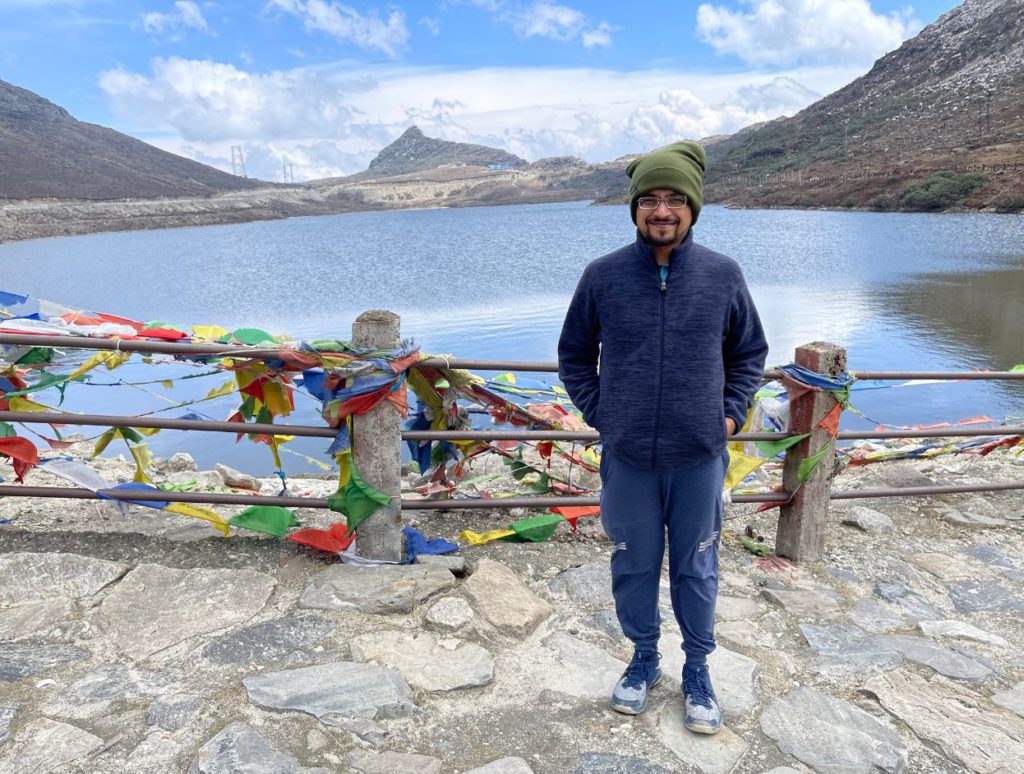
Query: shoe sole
point(632, 711)
point(698, 728)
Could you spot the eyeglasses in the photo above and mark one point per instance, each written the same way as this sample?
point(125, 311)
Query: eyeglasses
point(652, 202)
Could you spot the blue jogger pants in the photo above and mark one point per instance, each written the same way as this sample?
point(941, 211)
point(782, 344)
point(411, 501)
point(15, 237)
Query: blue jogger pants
point(638, 508)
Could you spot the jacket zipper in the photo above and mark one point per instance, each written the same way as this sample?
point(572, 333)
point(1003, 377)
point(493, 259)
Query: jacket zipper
point(663, 287)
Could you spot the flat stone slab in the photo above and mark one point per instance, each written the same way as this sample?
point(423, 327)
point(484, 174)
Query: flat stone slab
point(872, 616)
point(504, 600)
point(44, 619)
point(394, 763)
point(803, 603)
point(962, 630)
point(240, 748)
point(609, 763)
point(952, 719)
point(916, 606)
point(830, 734)
point(30, 577)
point(991, 555)
point(984, 596)
point(844, 649)
point(571, 666)
point(426, 662)
point(344, 688)
point(6, 716)
point(117, 682)
point(868, 520)
point(1012, 699)
point(173, 712)
point(942, 566)
point(156, 607)
point(717, 754)
point(450, 613)
point(268, 641)
point(737, 609)
point(589, 585)
point(380, 590)
point(46, 745)
point(24, 660)
point(973, 519)
point(503, 766)
point(943, 660)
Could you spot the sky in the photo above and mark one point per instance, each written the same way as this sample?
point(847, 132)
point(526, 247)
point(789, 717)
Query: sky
point(318, 87)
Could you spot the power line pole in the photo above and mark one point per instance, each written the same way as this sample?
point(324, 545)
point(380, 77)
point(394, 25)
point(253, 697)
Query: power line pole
point(237, 161)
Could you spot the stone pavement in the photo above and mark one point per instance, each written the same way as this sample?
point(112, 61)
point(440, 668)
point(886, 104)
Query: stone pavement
point(146, 643)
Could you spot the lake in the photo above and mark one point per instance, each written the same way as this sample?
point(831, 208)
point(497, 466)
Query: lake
point(899, 291)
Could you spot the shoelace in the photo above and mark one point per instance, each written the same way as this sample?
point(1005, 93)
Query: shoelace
point(697, 685)
point(641, 669)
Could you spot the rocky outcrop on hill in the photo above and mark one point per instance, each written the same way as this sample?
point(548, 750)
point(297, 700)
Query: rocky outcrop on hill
point(46, 153)
point(413, 151)
point(952, 98)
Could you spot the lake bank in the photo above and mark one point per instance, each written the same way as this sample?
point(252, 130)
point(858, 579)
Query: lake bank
point(177, 649)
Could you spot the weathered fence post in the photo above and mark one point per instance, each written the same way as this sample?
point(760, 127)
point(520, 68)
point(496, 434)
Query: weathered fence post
point(803, 521)
point(377, 446)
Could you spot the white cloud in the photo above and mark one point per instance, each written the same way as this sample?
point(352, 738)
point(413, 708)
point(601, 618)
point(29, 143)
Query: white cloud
point(545, 19)
point(346, 24)
point(210, 100)
point(187, 15)
point(784, 32)
point(432, 25)
point(333, 120)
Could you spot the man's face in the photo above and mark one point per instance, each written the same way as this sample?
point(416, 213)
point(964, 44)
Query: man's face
point(664, 227)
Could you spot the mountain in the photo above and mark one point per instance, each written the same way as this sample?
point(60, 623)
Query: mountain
point(413, 152)
point(936, 124)
point(46, 153)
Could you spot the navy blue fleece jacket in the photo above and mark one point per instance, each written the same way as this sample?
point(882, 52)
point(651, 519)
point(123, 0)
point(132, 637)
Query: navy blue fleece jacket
point(657, 369)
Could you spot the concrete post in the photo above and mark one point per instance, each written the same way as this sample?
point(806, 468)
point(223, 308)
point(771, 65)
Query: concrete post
point(377, 446)
point(803, 522)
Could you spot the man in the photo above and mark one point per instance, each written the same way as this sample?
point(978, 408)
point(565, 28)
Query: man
point(681, 354)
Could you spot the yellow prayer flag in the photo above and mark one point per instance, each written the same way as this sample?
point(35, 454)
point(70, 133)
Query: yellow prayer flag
point(143, 459)
point(225, 389)
point(111, 360)
point(479, 538)
point(208, 332)
point(205, 514)
point(740, 466)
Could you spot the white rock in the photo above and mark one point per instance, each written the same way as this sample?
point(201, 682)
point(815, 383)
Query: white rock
point(960, 629)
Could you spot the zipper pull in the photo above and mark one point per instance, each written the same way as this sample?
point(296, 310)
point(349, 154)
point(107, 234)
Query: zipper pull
point(664, 286)
point(663, 274)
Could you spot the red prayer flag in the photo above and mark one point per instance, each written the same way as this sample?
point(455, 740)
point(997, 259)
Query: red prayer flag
point(334, 539)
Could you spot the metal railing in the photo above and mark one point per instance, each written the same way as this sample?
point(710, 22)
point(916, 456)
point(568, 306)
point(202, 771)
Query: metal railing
point(583, 437)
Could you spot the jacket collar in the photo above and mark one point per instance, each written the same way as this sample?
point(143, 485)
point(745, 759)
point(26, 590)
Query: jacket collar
point(645, 251)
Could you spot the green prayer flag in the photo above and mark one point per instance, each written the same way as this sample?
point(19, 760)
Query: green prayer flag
point(810, 463)
point(270, 519)
point(536, 529)
point(36, 356)
point(1016, 368)
point(252, 337)
point(769, 449)
point(6, 430)
point(357, 500)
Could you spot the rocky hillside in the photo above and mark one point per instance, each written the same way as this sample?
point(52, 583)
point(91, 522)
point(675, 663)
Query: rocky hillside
point(950, 100)
point(46, 153)
point(415, 152)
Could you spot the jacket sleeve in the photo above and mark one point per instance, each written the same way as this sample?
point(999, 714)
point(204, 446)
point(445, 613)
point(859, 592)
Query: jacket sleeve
point(744, 350)
point(579, 350)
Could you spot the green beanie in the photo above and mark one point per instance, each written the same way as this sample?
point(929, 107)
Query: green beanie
point(679, 167)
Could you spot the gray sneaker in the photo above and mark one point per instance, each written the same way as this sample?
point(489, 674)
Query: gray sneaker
point(702, 713)
point(642, 674)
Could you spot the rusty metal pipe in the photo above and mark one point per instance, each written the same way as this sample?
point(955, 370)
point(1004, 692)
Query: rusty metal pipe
point(226, 350)
point(110, 420)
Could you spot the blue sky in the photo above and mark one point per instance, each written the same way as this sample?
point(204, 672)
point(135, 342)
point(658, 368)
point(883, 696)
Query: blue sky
point(324, 84)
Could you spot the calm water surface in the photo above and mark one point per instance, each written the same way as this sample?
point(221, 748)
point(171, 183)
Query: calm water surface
point(899, 291)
